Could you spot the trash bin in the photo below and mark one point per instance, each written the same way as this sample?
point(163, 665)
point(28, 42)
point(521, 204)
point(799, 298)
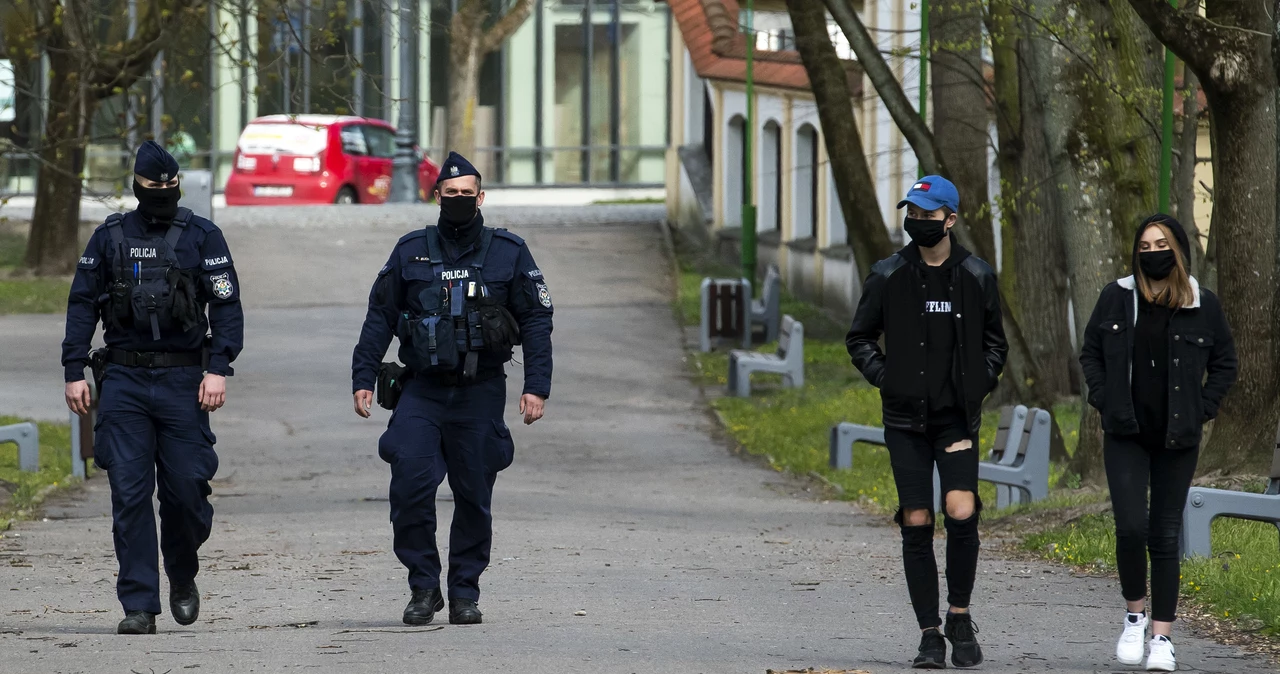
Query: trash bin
point(197, 192)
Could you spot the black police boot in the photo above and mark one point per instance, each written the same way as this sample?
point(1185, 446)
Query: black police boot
point(184, 602)
point(464, 612)
point(961, 632)
point(423, 606)
point(933, 651)
point(137, 622)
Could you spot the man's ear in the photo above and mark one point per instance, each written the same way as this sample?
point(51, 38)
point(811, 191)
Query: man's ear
point(480, 199)
point(952, 220)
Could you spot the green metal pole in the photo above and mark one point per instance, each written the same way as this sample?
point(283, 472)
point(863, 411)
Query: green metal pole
point(748, 199)
point(924, 68)
point(1166, 130)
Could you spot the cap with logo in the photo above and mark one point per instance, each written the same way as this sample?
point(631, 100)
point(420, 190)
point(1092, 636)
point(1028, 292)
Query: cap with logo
point(153, 162)
point(932, 193)
point(456, 166)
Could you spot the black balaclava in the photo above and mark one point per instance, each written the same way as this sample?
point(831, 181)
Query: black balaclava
point(153, 162)
point(1159, 264)
point(460, 222)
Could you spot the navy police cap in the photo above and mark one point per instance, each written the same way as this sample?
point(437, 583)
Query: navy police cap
point(155, 163)
point(456, 166)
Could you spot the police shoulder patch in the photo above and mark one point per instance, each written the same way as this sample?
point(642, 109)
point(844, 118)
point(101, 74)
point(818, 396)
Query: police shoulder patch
point(534, 274)
point(221, 284)
point(544, 294)
point(87, 262)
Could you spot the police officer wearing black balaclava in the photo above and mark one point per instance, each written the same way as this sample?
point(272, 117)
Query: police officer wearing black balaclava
point(459, 296)
point(160, 279)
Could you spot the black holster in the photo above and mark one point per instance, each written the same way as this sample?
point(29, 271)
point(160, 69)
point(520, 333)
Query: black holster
point(98, 366)
point(390, 385)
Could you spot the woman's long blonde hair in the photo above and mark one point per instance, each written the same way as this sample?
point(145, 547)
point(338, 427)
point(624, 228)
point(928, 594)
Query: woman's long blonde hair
point(1177, 291)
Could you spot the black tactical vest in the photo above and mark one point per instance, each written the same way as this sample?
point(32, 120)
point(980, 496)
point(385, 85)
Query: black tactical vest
point(459, 318)
point(149, 291)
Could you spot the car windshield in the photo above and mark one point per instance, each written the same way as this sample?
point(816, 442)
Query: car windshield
point(287, 139)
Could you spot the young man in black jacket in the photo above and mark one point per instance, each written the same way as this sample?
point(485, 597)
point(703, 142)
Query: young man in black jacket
point(938, 308)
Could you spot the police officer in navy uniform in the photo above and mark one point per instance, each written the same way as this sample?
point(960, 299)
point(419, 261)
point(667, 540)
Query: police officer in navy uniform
point(159, 278)
point(459, 296)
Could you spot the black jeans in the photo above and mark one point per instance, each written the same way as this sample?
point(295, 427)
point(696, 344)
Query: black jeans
point(913, 456)
point(1131, 463)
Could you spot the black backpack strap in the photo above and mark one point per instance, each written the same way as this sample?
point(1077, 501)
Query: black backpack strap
point(180, 221)
point(486, 238)
point(434, 250)
point(115, 227)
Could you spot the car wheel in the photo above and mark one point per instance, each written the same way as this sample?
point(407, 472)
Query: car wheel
point(346, 195)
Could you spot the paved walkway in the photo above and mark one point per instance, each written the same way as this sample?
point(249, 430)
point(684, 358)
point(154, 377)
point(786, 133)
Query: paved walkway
point(621, 504)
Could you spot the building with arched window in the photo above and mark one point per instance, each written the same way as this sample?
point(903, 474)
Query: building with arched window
point(800, 224)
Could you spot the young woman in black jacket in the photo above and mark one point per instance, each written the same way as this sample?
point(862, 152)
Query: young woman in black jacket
point(1158, 359)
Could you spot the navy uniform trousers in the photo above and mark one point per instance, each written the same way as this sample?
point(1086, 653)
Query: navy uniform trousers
point(151, 431)
point(437, 431)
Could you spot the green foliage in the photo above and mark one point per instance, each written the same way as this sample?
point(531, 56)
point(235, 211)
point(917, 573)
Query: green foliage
point(55, 467)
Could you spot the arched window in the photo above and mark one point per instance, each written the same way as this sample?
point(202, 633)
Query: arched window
point(770, 202)
point(733, 171)
point(806, 184)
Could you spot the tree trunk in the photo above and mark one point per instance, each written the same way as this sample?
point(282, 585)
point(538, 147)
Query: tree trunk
point(1230, 50)
point(1245, 127)
point(1081, 194)
point(855, 185)
point(1125, 125)
point(1184, 175)
point(469, 43)
point(960, 117)
point(465, 42)
point(54, 243)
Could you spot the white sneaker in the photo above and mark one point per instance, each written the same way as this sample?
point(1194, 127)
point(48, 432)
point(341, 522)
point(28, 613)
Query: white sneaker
point(1129, 649)
point(1161, 658)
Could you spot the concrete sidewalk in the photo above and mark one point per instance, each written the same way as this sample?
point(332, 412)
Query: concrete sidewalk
point(621, 504)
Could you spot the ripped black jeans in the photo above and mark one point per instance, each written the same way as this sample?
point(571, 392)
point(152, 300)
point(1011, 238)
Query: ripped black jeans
point(913, 456)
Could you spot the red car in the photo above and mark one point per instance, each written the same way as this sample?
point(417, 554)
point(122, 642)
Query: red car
point(318, 159)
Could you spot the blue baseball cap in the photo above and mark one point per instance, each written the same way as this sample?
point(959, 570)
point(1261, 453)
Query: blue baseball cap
point(932, 193)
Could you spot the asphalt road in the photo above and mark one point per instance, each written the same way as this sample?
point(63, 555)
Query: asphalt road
point(622, 504)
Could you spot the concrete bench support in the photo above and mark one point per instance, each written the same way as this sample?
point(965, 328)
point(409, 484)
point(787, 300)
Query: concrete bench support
point(27, 437)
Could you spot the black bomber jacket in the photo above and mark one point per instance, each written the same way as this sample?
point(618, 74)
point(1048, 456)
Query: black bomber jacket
point(892, 304)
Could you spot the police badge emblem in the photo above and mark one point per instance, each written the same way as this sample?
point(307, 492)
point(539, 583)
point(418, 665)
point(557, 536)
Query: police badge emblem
point(222, 287)
point(544, 295)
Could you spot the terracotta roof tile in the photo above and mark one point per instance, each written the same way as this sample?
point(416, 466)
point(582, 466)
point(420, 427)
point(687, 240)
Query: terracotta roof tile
point(718, 50)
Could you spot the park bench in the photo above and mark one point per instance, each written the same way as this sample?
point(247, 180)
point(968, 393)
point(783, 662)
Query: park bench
point(27, 437)
point(1204, 505)
point(725, 307)
point(767, 311)
point(1021, 474)
point(787, 361)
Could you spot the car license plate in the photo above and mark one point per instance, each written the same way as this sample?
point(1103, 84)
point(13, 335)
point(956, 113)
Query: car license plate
point(272, 191)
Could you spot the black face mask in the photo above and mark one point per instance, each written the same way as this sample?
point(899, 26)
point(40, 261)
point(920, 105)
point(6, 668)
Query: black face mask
point(458, 221)
point(926, 233)
point(160, 203)
point(1157, 264)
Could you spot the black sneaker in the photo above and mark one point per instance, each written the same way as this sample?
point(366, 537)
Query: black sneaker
point(961, 632)
point(933, 651)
